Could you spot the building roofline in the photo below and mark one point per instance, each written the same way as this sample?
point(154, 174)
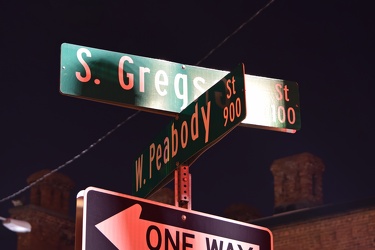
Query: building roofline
point(304, 214)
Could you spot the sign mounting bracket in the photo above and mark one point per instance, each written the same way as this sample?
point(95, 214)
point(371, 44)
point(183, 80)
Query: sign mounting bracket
point(182, 187)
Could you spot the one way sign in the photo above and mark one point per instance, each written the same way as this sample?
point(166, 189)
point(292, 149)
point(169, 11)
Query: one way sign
point(113, 220)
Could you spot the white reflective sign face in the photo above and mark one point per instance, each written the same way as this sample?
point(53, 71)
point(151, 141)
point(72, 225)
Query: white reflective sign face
point(117, 221)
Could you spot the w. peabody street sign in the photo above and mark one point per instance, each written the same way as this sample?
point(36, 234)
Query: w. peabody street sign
point(112, 220)
point(199, 126)
point(164, 87)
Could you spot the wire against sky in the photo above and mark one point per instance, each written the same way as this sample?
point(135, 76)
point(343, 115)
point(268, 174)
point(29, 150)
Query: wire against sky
point(128, 118)
point(71, 160)
point(235, 32)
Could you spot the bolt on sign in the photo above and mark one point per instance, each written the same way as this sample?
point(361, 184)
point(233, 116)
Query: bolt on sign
point(199, 126)
point(108, 220)
point(167, 88)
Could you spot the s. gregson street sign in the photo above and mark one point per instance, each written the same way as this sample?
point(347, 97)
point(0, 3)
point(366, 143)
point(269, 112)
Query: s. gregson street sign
point(113, 221)
point(164, 87)
point(200, 125)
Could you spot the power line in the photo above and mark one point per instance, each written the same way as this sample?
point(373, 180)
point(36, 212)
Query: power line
point(128, 118)
point(71, 160)
point(235, 32)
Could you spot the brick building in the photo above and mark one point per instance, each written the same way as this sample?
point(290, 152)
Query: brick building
point(339, 227)
point(300, 221)
point(52, 227)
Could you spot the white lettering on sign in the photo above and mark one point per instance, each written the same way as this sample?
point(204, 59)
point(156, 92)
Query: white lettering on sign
point(159, 154)
point(130, 84)
point(274, 101)
point(167, 88)
point(233, 109)
point(126, 230)
point(160, 79)
point(279, 114)
point(164, 150)
point(87, 76)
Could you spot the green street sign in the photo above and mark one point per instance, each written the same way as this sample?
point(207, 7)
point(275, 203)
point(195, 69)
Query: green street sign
point(199, 126)
point(167, 88)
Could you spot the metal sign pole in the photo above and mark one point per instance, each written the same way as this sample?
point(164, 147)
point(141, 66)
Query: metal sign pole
point(182, 187)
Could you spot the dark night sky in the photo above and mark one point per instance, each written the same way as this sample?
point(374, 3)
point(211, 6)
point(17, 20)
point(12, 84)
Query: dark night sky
point(327, 47)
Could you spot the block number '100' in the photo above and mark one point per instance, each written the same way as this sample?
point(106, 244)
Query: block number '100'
point(279, 114)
